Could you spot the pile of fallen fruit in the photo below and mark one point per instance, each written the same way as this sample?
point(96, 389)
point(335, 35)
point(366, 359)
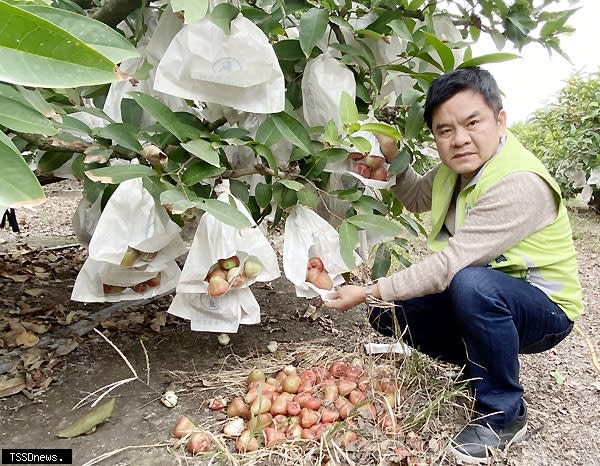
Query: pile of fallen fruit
point(333, 401)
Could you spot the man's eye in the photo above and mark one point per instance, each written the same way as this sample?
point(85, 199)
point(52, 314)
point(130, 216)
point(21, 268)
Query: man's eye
point(473, 122)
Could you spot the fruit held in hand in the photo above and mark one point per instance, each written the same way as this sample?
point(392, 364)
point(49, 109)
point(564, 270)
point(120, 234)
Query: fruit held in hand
point(217, 286)
point(229, 263)
point(356, 156)
point(323, 281)
point(373, 161)
point(215, 271)
point(380, 174)
point(362, 170)
point(130, 256)
point(252, 268)
point(312, 275)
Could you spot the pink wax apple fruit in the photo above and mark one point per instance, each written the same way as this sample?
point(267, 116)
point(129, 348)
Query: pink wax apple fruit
point(380, 174)
point(229, 263)
point(217, 286)
point(252, 268)
point(373, 161)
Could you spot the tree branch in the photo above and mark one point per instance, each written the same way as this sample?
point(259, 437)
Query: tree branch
point(257, 169)
point(112, 12)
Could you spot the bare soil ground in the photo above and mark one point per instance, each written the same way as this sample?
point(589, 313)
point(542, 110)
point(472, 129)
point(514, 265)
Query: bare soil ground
point(48, 377)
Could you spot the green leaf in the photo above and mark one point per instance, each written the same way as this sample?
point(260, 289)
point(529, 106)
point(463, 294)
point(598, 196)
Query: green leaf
point(307, 196)
point(376, 224)
point(73, 124)
point(161, 113)
point(267, 133)
point(119, 173)
point(292, 130)
point(193, 10)
point(50, 161)
point(266, 154)
point(414, 121)
point(443, 51)
point(22, 118)
point(86, 423)
point(263, 192)
point(199, 171)
point(36, 101)
point(330, 136)
point(291, 184)
point(34, 52)
point(350, 194)
point(368, 204)
point(224, 212)
point(313, 24)
point(95, 34)
point(175, 201)
point(361, 144)
point(121, 134)
point(348, 235)
point(400, 163)
point(348, 110)
point(383, 129)
point(288, 50)
point(223, 14)
point(488, 58)
point(382, 262)
point(18, 185)
point(204, 150)
point(334, 154)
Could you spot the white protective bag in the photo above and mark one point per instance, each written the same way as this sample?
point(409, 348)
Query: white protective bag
point(307, 235)
point(239, 69)
point(346, 166)
point(323, 81)
point(216, 240)
point(93, 276)
point(132, 218)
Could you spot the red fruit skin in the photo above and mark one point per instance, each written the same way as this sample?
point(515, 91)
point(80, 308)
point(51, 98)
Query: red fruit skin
point(140, 287)
point(315, 263)
point(356, 156)
point(380, 174)
point(373, 161)
point(153, 282)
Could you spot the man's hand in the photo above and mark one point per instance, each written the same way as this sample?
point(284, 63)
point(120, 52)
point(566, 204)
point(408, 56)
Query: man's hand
point(344, 297)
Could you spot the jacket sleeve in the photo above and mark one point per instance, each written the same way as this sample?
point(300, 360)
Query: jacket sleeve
point(507, 213)
point(414, 190)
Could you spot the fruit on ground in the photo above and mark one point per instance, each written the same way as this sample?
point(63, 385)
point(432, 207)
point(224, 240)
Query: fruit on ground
point(130, 256)
point(199, 442)
point(183, 426)
point(217, 286)
point(229, 263)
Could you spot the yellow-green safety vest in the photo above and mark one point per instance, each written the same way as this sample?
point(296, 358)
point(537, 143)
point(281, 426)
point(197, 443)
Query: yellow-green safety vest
point(546, 258)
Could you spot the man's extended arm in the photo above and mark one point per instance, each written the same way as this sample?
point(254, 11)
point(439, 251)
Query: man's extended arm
point(508, 212)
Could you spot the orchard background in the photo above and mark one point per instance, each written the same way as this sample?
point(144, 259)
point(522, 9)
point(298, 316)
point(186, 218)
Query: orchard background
point(79, 101)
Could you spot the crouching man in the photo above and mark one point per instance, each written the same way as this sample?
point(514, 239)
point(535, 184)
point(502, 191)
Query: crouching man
point(502, 277)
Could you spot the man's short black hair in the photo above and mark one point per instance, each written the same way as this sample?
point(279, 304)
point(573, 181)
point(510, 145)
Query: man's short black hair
point(447, 85)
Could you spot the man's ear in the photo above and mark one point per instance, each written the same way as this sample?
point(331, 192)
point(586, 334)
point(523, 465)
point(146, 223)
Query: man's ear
point(502, 121)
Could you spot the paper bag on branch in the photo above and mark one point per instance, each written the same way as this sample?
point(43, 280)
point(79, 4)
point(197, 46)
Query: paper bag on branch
point(222, 263)
point(133, 221)
point(221, 314)
point(106, 282)
point(239, 69)
point(371, 170)
point(311, 254)
point(324, 80)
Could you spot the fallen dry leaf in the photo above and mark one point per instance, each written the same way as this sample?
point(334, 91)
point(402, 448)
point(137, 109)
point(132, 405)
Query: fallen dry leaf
point(35, 292)
point(12, 386)
point(159, 321)
point(27, 339)
point(65, 347)
point(20, 278)
point(89, 421)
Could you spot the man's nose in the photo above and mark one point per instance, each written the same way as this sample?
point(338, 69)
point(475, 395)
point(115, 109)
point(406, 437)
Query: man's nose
point(461, 136)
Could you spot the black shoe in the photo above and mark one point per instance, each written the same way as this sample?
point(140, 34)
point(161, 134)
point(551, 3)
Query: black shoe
point(472, 444)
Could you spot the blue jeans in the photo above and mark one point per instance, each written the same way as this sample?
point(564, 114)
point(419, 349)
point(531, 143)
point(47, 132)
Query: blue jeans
point(482, 321)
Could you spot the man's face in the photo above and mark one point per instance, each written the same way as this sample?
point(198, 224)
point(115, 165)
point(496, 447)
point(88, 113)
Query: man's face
point(466, 132)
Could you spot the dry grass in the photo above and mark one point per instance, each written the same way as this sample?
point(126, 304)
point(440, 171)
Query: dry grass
point(428, 403)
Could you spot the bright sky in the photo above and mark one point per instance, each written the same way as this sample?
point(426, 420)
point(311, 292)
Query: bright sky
point(529, 82)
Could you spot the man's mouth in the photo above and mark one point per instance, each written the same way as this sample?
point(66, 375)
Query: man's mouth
point(463, 154)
